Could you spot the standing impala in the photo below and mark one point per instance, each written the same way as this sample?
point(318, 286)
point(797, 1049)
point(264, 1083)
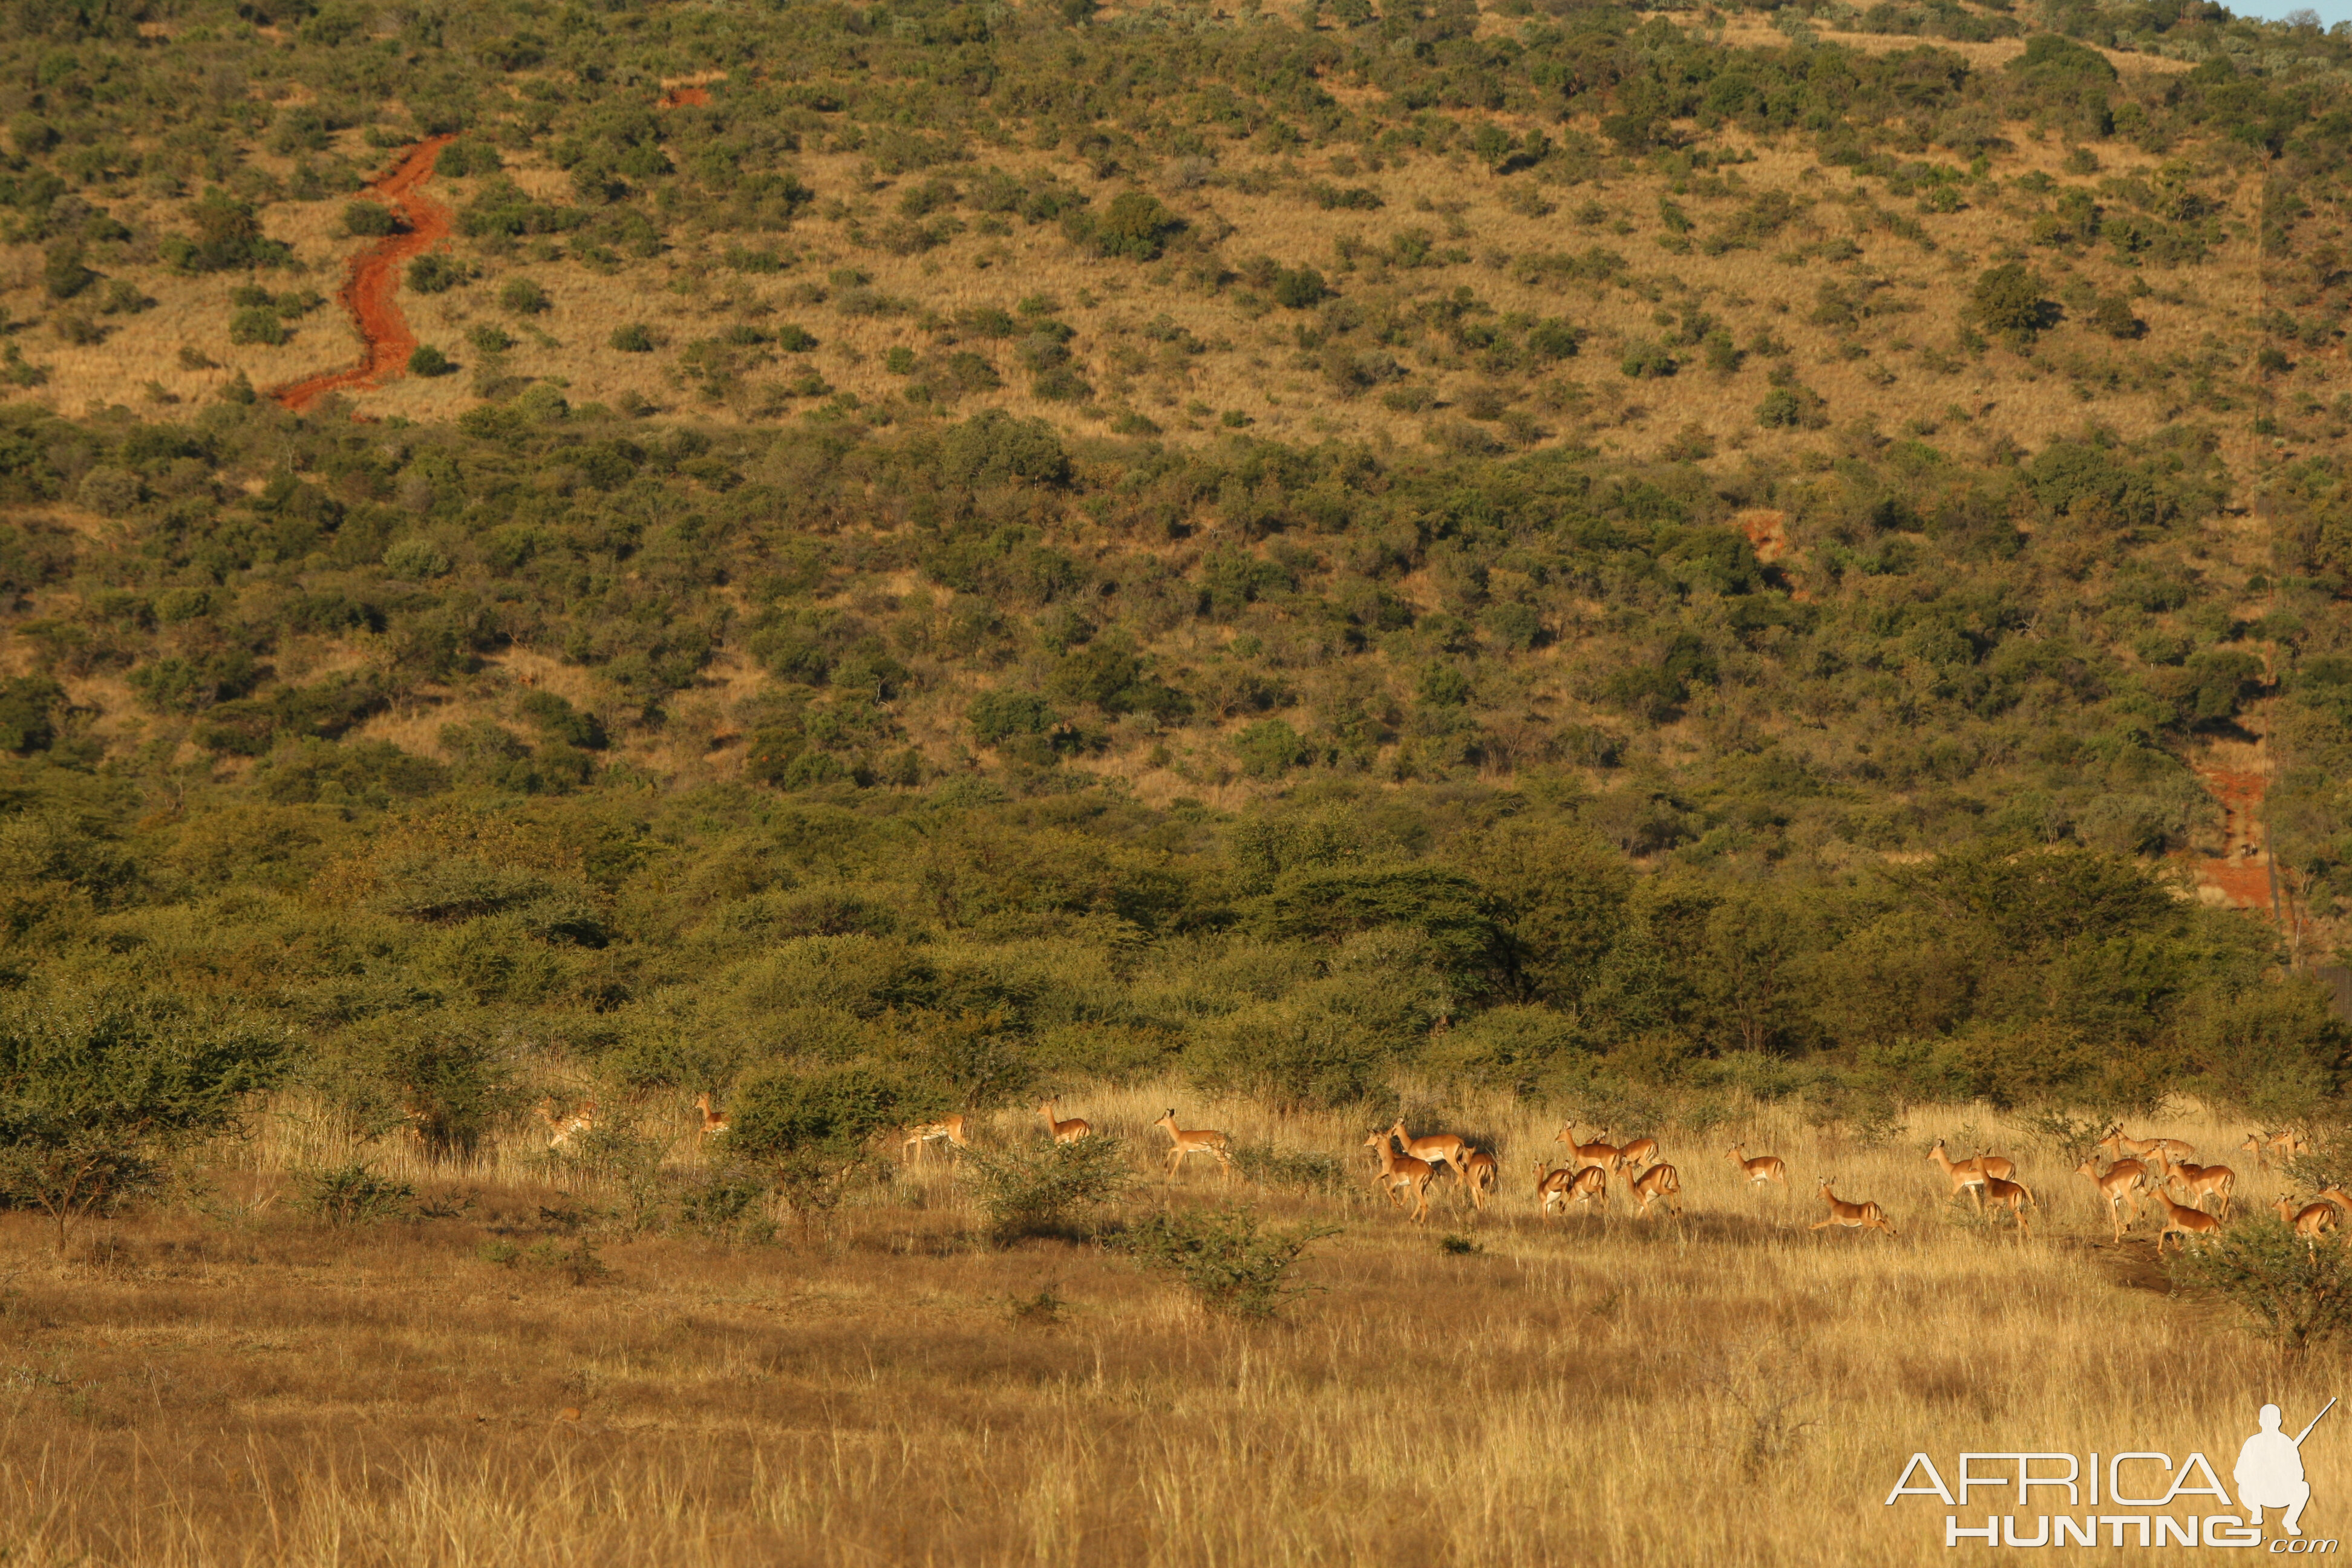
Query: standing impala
point(1398, 1172)
point(1068, 1131)
point(713, 1122)
point(1762, 1169)
point(2117, 1146)
point(1195, 1141)
point(2116, 1185)
point(2011, 1195)
point(1850, 1216)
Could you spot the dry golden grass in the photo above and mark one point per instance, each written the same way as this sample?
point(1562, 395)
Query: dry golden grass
point(252, 1388)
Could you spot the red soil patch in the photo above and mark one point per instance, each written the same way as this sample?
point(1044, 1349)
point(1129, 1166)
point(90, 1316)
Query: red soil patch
point(2242, 876)
point(1768, 532)
point(691, 95)
point(367, 293)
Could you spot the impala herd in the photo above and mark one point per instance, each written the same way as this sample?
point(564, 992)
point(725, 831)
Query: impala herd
point(2140, 1172)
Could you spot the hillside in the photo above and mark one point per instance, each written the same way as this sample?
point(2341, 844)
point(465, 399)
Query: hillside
point(1568, 547)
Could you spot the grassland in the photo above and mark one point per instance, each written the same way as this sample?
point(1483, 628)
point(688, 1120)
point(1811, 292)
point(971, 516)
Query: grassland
point(254, 1388)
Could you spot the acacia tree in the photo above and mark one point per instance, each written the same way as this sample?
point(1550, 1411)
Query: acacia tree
point(97, 1088)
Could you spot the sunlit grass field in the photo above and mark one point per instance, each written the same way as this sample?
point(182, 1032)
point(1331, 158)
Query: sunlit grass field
point(228, 1380)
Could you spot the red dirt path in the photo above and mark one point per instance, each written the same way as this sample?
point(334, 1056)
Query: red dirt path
point(691, 95)
point(367, 293)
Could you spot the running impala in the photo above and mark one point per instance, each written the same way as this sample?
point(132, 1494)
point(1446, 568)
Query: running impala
point(947, 1129)
point(1657, 1183)
point(1965, 1175)
point(2200, 1181)
point(1068, 1131)
point(1762, 1169)
point(1565, 1185)
point(1641, 1152)
point(1194, 1140)
point(1437, 1149)
point(2117, 1146)
point(1850, 1216)
point(566, 1128)
point(1482, 1176)
point(1584, 1154)
point(1398, 1172)
point(2116, 1185)
point(2182, 1223)
point(2311, 1221)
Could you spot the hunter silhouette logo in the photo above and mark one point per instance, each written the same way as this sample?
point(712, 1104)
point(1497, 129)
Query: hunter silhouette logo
point(2270, 1470)
point(2163, 1500)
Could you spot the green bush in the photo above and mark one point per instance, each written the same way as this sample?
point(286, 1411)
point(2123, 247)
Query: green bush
point(1230, 1263)
point(1047, 1190)
point(370, 219)
point(632, 339)
point(436, 273)
point(2290, 1292)
point(428, 361)
point(256, 325)
point(2009, 300)
point(523, 296)
point(353, 1194)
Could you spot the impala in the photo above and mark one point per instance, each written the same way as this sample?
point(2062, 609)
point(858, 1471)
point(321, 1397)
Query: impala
point(949, 1129)
point(2331, 1193)
point(2183, 1223)
point(2291, 1141)
point(2117, 1145)
point(1396, 1173)
point(712, 1120)
point(1862, 1216)
point(2200, 1181)
point(2311, 1221)
point(1482, 1176)
point(1965, 1175)
point(1587, 1153)
point(1194, 1140)
point(2116, 1185)
point(1570, 1185)
point(2011, 1195)
point(1068, 1131)
point(1437, 1149)
point(1761, 1169)
point(565, 1128)
point(1641, 1152)
point(1659, 1182)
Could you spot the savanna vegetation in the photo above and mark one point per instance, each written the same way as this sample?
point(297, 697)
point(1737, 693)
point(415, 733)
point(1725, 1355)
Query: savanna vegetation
point(1736, 573)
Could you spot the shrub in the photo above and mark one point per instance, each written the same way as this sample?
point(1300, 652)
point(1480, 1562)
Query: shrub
point(1231, 1264)
point(2292, 1294)
point(1270, 748)
point(632, 339)
point(96, 1090)
point(2008, 300)
point(1047, 1189)
point(426, 360)
point(1647, 360)
point(257, 324)
point(63, 273)
point(370, 219)
point(436, 274)
point(1136, 226)
point(521, 296)
point(1300, 290)
point(997, 716)
point(353, 1194)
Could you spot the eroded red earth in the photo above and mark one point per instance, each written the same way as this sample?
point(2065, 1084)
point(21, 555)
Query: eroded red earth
point(373, 279)
point(2241, 876)
point(690, 95)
